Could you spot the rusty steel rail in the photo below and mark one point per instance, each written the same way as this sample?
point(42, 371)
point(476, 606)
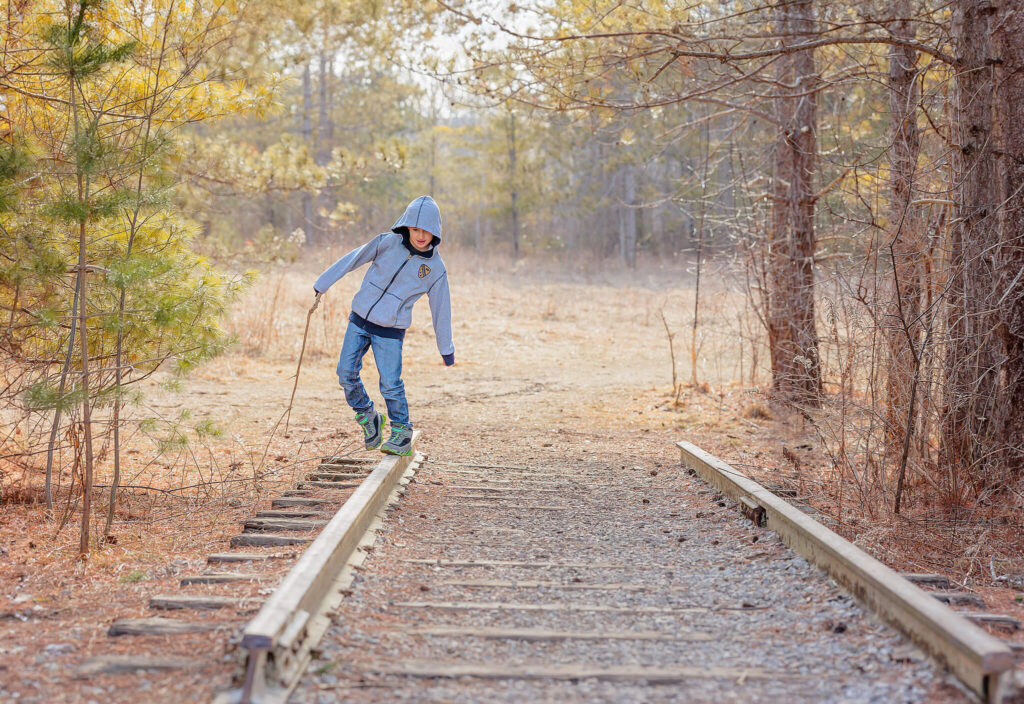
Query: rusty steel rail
point(981, 661)
point(279, 639)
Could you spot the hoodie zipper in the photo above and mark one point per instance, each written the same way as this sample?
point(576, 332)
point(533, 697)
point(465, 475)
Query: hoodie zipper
point(388, 286)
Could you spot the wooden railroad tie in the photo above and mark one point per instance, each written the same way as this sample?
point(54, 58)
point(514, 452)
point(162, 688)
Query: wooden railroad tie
point(331, 486)
point(547, 634)
point(172, 602)
point(270, 524)
point(299, 501)
point(570, 586)
point(537, 671)
point(229, 557)
point(267, 540)
point(334, 476)
point(221, 578)
point(290, 513)
point(935, 581)
point(113, 664)
point(512, 606)
point(159, 626)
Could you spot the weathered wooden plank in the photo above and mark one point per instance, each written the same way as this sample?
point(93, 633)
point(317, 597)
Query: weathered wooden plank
point(568, 586)
point(514, 483)
point(113, 664)
point(159, 626)
point(265, 524)
point(517, 507)
point(297, 501)
point(254, 540)
point(999, 621)
point(547, 634)
point(201, 602)
point(221, 578)
point(334, 476)
point(440, 562)
point(289, 513)
point(512, 606)
point(935, 581)
point(505, 489)
point(330, 486)
point(248, 557)
point(516, 497)
point(959, 599)
point(351, 461)
point(605, 673)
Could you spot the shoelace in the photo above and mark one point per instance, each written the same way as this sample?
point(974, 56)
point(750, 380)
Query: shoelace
point(365, 422)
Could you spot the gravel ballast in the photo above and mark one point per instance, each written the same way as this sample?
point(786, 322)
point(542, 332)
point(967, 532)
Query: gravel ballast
point(502, 597)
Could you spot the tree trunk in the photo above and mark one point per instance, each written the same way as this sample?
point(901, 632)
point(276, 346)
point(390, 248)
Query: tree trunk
point(87, 480)
point(307, 136)
point(906, 245)
point(971, 352)
point(57, 412)
point(796, 371)
point(478, 233)
point(1008, 128)
point(324, 143)
point(627, 217)
point(513, 182)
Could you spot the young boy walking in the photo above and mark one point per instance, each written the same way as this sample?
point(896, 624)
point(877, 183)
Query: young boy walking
point(404, 264)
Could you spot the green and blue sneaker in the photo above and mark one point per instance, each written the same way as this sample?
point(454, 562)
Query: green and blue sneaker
point(400, 442)
point(373, 428)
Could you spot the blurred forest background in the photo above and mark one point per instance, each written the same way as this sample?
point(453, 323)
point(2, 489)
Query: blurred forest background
point(851, 172)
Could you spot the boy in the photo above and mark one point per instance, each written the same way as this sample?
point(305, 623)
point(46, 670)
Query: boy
point(404, 264)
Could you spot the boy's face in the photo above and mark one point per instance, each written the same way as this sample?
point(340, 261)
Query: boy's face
point(420, 238)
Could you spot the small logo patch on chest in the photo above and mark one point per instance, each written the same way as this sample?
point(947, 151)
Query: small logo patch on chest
point(424, 270)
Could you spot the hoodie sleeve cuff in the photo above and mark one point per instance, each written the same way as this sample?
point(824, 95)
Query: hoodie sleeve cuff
point(449, 359)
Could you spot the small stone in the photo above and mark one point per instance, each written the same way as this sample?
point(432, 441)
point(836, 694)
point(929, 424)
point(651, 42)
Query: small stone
point(59, 648)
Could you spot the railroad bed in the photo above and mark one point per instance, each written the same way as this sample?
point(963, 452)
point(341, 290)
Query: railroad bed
point(556, 578)
point(572, 579)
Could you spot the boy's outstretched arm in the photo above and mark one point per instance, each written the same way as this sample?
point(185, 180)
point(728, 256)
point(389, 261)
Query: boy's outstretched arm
point(441, 313)
point(353, 260)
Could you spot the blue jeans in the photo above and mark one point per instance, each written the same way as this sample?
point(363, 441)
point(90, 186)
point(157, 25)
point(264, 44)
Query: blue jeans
point(387, 353)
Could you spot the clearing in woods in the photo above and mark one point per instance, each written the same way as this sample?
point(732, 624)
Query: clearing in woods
point(559, 376)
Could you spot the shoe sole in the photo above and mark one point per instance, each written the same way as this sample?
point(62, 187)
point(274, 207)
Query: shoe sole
point(388, 451)
point(380, 435)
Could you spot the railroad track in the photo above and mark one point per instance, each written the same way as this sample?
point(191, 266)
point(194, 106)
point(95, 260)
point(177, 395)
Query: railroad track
point(337, 505)
point(586, 582)
point(542, 583)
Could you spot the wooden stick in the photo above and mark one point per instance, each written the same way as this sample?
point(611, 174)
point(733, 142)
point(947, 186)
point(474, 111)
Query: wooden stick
point(305, 334)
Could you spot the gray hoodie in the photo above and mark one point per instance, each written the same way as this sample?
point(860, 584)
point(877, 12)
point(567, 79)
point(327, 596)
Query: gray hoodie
point(397, 277)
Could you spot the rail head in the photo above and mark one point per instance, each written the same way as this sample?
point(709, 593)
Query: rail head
point(981, 661)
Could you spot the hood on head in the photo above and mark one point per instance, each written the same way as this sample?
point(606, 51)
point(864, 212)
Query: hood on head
point(422, 213)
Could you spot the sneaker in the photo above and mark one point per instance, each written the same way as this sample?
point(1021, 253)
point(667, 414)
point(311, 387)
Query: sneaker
point(400, 442)
point(373, 428)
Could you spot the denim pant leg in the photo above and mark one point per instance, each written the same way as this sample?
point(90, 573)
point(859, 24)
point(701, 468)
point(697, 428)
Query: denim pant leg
point(388, 354)
point(350, 363)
